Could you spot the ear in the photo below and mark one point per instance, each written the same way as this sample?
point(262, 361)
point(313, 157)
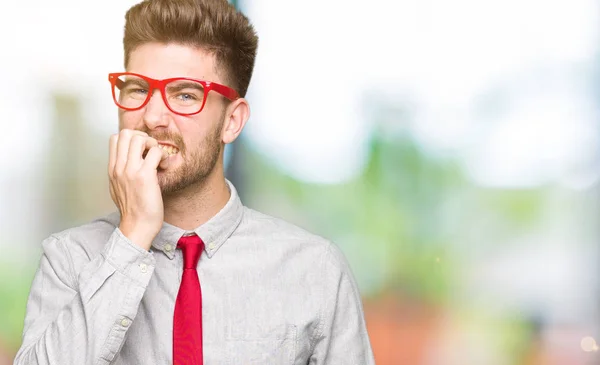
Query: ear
point(236, 116)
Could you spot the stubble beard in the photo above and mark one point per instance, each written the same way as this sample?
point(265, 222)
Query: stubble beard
point(197, 165)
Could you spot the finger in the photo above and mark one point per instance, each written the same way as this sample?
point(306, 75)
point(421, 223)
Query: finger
point(112, 192)
point(112, 153)
point(137, 147)
point(123, 147)
point(154, 157)
point(164, 162)
point(150, 142)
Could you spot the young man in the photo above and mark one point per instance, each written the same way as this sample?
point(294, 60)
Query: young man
point(183, 273)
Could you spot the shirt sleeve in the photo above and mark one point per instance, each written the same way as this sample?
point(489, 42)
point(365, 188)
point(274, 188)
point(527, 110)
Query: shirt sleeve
point(342, 337)
point(83, 318)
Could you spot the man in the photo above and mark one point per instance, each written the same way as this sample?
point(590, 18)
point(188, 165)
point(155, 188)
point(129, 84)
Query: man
point(183, 273)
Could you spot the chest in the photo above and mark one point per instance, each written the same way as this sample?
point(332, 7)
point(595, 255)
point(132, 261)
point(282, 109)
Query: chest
point(250, 315)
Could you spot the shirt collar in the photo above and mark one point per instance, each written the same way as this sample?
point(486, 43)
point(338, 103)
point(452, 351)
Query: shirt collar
point(213, 233)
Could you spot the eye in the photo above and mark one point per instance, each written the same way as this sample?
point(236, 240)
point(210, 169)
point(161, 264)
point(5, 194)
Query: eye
point(139, 91)
point(135, 91)
point(187, 97)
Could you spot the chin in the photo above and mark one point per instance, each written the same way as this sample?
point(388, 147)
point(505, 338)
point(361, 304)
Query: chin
point(169, 181)
point(168, 189)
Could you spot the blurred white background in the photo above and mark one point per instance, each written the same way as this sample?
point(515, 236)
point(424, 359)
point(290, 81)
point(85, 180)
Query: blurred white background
point(505, 92)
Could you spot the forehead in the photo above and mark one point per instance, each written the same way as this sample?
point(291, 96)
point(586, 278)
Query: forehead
point(163, 61)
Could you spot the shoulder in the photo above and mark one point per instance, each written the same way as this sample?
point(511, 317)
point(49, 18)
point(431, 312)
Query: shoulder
point(88, 235)
point(80, 244)
point(277, 231)
point(268, 227)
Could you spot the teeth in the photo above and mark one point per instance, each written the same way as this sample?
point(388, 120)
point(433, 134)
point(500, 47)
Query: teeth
point(170, 149)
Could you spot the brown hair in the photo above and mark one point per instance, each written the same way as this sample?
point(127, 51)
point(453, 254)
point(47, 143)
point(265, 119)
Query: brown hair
point(213, 25)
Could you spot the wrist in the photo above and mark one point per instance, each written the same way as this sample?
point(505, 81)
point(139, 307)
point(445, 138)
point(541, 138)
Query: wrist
point(139, 235)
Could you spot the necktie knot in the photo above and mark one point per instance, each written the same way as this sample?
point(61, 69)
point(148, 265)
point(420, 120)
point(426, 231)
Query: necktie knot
point(191, 247)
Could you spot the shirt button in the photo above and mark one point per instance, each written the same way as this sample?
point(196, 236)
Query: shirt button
point(211, 246)
point(125, 322)
point(143, 267)
point(168, 247)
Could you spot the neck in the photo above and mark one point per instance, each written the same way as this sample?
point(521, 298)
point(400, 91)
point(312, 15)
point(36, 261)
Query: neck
point(194, 206)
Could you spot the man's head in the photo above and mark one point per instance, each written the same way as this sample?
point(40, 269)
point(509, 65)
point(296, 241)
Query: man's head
point(206, 40)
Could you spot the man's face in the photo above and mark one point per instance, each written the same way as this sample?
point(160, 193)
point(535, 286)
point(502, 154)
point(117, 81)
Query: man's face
point(197, 138)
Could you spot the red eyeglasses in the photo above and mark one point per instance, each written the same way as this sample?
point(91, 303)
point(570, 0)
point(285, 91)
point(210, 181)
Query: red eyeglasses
point(183, 96)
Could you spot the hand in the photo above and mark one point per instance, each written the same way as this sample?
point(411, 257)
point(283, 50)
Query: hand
point(134, 184)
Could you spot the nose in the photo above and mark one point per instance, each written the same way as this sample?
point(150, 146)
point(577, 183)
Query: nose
point(155, 112)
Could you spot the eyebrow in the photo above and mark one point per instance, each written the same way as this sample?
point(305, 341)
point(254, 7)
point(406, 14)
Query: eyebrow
point(185, 85)
point(139, 82)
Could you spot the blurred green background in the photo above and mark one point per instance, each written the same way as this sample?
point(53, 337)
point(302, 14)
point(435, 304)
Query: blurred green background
point(449, 148)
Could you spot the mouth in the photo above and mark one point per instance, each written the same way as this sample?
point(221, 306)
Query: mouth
point(170, 149)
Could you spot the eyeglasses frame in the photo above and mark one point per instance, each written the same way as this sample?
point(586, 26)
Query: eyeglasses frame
point(160, 85)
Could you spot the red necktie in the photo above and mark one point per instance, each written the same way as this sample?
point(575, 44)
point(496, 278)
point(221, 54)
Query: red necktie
point(187, 320)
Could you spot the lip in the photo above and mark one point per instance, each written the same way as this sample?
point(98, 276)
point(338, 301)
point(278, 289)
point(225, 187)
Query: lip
point(167, 144)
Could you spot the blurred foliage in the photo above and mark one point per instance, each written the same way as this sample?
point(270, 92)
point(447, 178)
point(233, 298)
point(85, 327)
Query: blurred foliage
point(14, 290)
point(387, 219)
point(404, 224)
point(401, 220)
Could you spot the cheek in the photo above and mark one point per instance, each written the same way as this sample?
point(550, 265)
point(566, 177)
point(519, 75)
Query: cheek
point(212, 123)
point(199, 139)
point(186, 130)
point(195, 128)
point(130, 119)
